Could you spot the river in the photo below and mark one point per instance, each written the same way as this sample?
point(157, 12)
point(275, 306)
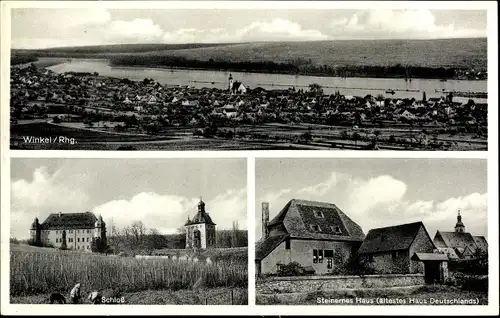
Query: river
point(352, 86)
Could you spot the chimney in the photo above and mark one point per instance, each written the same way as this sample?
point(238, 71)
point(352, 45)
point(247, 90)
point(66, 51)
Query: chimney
point(265, 219)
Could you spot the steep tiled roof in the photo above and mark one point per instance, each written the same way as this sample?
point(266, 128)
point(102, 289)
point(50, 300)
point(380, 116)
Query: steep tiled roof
point(69, 221)
point(264, 247)
point(480, 242)
point(457, 239)
point(300, 220)
point(390, 238)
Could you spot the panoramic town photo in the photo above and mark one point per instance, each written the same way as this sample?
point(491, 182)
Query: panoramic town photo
point(371, 232)
point(135, 231)
point(239, 79)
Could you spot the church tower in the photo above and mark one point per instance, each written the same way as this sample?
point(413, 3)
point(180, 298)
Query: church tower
point(459, 227)
point(230, 88)
point(200, 231)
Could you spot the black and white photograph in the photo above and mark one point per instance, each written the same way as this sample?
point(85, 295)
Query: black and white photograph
point(248, 79)
point(371, 232)
point(128, 231)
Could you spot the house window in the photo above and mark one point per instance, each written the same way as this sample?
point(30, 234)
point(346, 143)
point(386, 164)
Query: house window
point(318, 214)
point(394, 254)
point(320, 256)
point(57, 240)
point(370, 258)
point(329, 262)
point(278, 267)
point(78, 239)
point(315, 256)
point(88, 239)
point(287, 244)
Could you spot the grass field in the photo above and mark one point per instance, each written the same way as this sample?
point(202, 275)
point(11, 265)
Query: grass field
point(427, 53)
point(411, 296)
point(36, 272)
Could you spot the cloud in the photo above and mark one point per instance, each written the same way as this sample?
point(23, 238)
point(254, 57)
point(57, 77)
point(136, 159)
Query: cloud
point(167, 213)
point(382, 201)
point(67, 190)
point(274, 30)
point(323, 187)
point(279, 30)
point(402, 24)
point(144, 30)
point(42, 195)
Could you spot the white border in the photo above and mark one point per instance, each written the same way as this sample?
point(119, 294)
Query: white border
point(491, 155)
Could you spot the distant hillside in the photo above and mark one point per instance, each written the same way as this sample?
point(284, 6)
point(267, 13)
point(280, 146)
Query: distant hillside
point(120, 48)
point(459, 53)
point(426, 53)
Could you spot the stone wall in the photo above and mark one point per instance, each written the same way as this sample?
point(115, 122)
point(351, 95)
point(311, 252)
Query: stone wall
point(272, 285)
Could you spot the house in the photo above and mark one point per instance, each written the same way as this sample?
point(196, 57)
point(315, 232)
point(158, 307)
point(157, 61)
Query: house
point(200, 231)
point(390, 249)
point(464, 244)
point(317, 235)
point(238, 87)
point(75, 230)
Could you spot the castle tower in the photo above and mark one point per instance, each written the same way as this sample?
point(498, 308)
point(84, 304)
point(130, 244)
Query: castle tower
point(459, 227)
point(36, 232)
point(200, 231)
point(230, 87)
point(100, 229)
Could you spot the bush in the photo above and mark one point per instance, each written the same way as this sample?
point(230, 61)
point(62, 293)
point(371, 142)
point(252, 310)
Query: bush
point(355, 265)
point(292, 269)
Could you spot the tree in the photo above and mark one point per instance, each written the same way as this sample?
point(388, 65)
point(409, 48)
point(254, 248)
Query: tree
point(316, 89)
point(356, 136)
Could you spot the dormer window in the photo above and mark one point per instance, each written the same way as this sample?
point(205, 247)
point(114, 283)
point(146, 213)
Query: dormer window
point(318, 214)
point(336, 230)
point(316, 228)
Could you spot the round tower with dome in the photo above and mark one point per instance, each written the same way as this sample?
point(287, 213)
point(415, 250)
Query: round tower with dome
point(36, 232)
point(200, 230)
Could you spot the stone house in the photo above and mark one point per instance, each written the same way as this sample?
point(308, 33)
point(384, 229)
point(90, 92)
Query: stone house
point(317, 235)
point(390, 249)
point(79, 229)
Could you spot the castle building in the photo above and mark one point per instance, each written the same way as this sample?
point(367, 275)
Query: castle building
point(200, 231)
point(75, 230)
point(460, 244)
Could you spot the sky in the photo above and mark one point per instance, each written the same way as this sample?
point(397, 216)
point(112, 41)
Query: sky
point(55, 27)
point(380, 192)
point(160, 193)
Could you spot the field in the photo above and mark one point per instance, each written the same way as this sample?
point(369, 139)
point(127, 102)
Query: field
point(277, 137)
point(468, 53)
point(36, 272)
point(410, 295)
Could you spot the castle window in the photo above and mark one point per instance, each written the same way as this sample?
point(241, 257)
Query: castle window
point(315, 256)
point(329, 262)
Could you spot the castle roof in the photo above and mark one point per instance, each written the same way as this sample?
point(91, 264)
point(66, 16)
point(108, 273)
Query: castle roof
point(317, 220)
point(391, 238)
point(55, 221)
point(201, 217)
